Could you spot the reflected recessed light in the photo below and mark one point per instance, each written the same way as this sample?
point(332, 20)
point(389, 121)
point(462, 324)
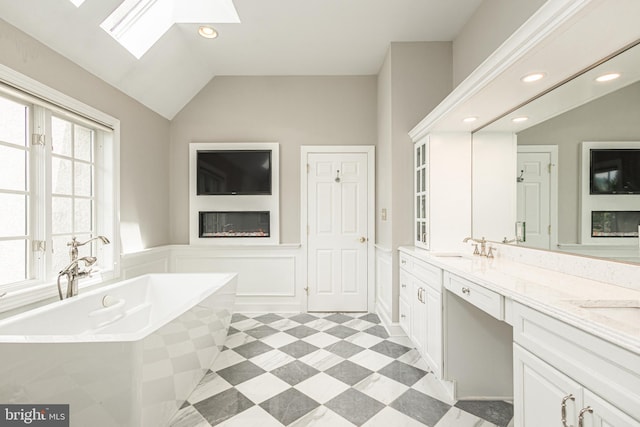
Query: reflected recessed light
point(608, 77)
point(533, 77)
point(469, 119)
point(207, 32)
point(519, 119)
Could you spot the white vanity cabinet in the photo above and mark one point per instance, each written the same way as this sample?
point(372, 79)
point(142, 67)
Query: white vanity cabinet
point(563, 372)
point(421, 308)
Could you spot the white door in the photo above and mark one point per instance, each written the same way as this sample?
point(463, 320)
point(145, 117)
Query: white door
point(337, 212)
point(534, 197)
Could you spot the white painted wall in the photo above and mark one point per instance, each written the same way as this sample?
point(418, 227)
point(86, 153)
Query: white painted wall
point(413, 79)
point(292, 111)
point(144, 144)
point(492, 23)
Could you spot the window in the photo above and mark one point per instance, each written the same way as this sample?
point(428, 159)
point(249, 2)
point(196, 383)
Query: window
point(14, 191)
point(57, 181)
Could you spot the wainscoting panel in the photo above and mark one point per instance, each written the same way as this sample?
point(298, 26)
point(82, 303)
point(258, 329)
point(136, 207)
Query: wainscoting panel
point(155, 260)
point(269, 278)
point(258, 276)
point(384, 288)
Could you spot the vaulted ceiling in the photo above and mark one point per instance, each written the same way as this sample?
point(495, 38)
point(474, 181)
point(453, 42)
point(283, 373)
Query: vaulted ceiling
point(275, 37)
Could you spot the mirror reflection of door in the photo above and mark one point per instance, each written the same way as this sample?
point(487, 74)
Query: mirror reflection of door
point(537, 194)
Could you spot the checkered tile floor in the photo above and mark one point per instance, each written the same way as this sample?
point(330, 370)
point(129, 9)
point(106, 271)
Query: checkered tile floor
point(325, 370)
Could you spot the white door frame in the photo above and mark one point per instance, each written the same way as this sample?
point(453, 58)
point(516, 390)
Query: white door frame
point(370, 150)
point(553, 184)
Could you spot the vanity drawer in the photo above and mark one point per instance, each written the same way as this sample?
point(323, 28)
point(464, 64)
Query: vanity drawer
point(405, 285)
point(486, 300)
point(405, 316)
point(426, 272)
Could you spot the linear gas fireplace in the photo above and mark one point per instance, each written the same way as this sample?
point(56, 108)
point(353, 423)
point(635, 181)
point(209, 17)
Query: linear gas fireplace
point(615, 223)
point(234, 224)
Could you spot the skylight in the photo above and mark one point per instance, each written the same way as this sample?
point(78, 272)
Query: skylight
point(138, 24)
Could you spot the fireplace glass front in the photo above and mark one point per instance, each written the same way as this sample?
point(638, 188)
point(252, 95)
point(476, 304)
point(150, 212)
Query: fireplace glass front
point(234, 224)
point(615, 223)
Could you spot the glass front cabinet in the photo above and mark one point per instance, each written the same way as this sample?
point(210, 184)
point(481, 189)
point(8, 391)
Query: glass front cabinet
point(421, 191)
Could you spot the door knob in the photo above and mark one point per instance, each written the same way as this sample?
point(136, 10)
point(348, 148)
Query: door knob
point(363, 239)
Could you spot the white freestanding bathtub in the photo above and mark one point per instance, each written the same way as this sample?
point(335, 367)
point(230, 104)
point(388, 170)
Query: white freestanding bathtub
point(131, 363)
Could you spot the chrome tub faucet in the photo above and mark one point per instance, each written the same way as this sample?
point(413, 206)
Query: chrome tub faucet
point(72, 271)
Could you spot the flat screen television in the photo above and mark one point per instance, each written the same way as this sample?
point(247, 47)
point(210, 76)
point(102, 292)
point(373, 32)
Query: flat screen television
point(234, 172)
point(614, 171)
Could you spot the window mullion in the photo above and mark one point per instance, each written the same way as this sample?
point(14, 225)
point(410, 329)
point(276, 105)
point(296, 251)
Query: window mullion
point(38, 200)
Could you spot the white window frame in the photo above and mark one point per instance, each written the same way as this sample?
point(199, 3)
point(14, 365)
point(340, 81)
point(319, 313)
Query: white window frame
point(107, 175)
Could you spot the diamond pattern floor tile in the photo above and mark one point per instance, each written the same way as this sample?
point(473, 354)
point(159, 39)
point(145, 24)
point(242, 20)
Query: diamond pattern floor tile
point(341, 331)
point(403, 373)
point(421, 407)
point(324, 369)
point(301, 331)
point(298, 349)
point(261, 331)
point(289, 405)
point(223, 406)
point(349, 372)
point(355, 406)
point(344, 349)
point(294, 372)
point(496, 411)
point(240, 372)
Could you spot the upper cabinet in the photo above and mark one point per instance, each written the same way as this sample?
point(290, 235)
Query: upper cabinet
point(442, 185)
point(421, 190)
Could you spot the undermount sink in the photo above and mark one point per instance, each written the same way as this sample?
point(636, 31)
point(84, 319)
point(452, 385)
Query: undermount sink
point(625, 310)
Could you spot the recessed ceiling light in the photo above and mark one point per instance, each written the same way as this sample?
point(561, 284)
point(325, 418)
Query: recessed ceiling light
point(533, 77)
point(469, 119)
point(207, 32)
point(608, 77)
point(77, 3)
point(519, 119)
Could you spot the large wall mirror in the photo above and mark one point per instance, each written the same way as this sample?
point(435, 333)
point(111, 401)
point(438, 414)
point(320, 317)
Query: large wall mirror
point(567, 165)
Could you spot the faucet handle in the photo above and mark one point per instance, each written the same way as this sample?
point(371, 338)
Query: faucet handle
point(490, 252)
point(475, 249)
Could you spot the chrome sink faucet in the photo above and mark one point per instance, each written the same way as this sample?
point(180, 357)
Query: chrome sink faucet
point(72, 271)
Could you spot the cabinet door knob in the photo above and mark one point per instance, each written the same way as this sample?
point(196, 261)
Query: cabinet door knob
point(588, 409)
point(466, 290)
point(563, 409)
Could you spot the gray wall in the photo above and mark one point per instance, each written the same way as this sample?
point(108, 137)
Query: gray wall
point(413, 79)
point(144, 144)
point(492, 23)
point(292, 111)
point(614, 117)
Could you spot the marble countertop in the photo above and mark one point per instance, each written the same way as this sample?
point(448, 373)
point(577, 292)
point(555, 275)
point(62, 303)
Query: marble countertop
point(605, 310)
